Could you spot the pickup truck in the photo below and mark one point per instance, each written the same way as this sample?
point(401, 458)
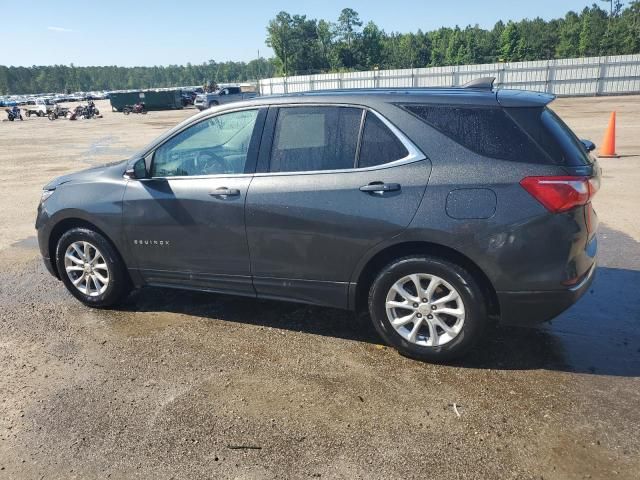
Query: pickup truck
point(42, 107)
point(224, 95)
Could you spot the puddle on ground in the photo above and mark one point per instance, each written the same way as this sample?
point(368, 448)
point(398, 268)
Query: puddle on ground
point(28, 243)
point(105, 146)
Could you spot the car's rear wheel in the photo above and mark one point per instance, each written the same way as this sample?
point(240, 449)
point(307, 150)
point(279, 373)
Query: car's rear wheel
point(90, 268)
point(427, 308)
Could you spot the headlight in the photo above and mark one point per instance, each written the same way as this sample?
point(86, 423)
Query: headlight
point(46, 194)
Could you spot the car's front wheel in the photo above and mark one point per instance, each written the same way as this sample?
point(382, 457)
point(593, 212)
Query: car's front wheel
point(427, 308)
point(90, 268)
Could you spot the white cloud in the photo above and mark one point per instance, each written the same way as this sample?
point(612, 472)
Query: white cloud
point(59, 29)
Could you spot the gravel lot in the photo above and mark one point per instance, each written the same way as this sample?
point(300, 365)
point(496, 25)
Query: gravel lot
point(191, 385)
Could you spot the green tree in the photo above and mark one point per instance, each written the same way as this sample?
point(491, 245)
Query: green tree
point(371, 49)
point(280, 37)
point(594, 26)
point(509, 43)
point(569, 36)
point(348, 22)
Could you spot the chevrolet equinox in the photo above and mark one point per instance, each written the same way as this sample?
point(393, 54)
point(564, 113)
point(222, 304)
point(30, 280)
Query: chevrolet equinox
point(434, 209)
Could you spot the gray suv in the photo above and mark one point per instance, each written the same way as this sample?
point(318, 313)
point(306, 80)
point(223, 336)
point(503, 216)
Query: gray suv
point(434, 210)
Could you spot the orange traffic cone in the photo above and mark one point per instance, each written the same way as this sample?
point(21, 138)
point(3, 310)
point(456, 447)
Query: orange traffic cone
point(608, 149)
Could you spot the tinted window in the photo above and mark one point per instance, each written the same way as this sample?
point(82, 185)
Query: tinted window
point(315, 138)
point(214, 146)
point(487, 131)
point(552, 135)
point(575, 153)
point(379, 144)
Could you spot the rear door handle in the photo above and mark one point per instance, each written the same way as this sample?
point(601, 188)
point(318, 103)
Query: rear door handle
point(225, 192)
point(380, 187)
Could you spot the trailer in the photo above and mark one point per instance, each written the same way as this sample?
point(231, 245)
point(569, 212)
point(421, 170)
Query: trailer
point(152, 99)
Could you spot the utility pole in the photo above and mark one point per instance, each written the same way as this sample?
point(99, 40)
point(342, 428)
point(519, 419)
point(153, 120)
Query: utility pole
point(258, 64)
point(614, 7)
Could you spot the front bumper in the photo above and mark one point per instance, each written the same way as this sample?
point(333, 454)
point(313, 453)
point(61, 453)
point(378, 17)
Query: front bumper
point(530, 308)
point(49, 265)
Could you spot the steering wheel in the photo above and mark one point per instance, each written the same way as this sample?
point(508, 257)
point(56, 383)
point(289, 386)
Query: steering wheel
point(207, 163)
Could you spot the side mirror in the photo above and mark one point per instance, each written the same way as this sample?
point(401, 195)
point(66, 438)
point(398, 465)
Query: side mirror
point(589, 145)
point(137, 171)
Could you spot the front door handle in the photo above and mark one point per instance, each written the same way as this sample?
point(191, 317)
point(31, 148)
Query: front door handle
point(225, 192)
point(380, 187)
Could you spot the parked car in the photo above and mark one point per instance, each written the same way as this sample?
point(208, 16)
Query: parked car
point(188, 97)
point(434, 210)
point(222, 96)
point(41, 107)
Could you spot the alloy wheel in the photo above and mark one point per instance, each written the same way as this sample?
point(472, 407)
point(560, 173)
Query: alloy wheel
point(86, 268)
point(425, 310)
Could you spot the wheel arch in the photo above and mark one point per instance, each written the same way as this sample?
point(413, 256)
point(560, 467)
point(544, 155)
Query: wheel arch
point(385, 256)
point(67, 224)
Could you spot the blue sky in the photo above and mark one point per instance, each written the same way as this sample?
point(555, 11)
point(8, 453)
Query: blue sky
point(163, 32)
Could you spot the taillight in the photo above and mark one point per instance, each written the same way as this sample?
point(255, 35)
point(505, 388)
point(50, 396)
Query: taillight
point(559, 194)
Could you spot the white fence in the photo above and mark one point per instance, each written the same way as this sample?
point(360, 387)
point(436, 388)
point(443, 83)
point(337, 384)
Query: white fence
point(590, 76)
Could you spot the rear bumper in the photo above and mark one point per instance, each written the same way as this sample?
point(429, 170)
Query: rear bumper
point(530, 308)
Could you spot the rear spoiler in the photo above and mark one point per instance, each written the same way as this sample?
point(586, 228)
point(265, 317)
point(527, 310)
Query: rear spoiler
point(523, 98)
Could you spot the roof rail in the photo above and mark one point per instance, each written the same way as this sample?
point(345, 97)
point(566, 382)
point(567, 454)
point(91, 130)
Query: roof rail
point(482, 83)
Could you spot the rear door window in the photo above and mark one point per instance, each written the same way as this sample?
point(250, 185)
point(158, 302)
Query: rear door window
point(315, 138)
point(379, 144)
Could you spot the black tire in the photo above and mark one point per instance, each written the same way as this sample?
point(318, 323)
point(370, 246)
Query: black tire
point(11, 118)
point(40, 114)
point(126, 111)
point(467, 287)
point(118, 286)
point(52, 116)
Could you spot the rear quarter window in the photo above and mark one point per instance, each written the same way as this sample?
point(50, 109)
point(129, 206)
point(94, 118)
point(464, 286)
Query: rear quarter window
point(489, 132)
point(552, 135)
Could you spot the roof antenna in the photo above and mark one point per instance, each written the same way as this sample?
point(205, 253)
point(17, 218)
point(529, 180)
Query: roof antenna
point(482, 83)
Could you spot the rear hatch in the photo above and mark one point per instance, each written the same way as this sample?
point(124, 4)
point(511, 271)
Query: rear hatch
point(570, 193)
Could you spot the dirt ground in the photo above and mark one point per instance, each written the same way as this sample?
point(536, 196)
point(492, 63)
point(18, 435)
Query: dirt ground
point(179, 385)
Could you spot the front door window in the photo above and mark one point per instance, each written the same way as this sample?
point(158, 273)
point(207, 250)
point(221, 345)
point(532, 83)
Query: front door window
point(215, 146)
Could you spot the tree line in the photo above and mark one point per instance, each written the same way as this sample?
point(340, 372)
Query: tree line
point(304, 45)
point(63, 78)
